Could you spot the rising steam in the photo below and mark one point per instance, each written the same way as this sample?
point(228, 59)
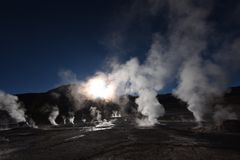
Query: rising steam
point(179, 55)
point(143, 80)
point(53, 115)
point(182, 54)
point(202, 81)
point(10, 104)
point(98, 87)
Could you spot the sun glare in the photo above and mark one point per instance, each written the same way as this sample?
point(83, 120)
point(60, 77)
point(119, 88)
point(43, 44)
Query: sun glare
point(98, 88)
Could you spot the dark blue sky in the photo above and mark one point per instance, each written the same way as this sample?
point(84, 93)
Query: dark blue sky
point(38, 39)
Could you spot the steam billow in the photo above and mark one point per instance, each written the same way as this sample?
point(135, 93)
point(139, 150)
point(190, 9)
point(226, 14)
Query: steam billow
point(182, 55)
point(53, 115)
point(11, 104)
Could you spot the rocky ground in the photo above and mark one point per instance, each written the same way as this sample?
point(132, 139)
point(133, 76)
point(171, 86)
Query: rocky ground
point(166, 141)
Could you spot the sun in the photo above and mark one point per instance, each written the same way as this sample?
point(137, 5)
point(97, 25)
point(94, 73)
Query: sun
point(98, 87)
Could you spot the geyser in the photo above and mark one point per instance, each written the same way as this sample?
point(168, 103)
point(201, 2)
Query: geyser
point(183, 55)
point(10, 104)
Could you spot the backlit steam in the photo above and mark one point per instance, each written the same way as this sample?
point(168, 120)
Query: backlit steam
point(10, 104)
point(179, 55)
point(202, 81)
point(143, 80)
point(98, 87)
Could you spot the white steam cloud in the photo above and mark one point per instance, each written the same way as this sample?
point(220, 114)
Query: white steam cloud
point(179, 55)
point(144, 80)
point(53, 115)
point(202, 81)
point(10, 104)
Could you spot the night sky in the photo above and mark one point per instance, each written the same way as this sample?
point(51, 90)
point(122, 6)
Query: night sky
point(38, 39)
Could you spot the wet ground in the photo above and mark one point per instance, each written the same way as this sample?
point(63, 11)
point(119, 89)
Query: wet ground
point(168, 141)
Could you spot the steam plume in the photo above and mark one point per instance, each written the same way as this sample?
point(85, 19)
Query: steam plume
point(53, 115)
point(71, 117)
point(178, 55)
point(144, 80)
point(10, 104)
point(202, 81)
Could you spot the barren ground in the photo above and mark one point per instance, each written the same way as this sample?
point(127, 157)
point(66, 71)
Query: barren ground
point(174, 140)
